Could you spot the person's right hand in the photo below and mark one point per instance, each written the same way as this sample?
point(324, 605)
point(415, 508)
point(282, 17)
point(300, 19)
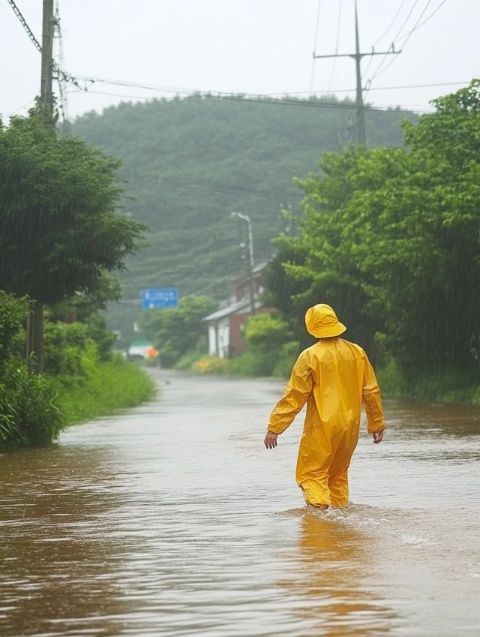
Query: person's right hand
point(378, 437)
point(270, 441)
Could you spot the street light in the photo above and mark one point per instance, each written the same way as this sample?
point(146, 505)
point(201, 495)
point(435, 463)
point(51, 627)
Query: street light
point(246, 218)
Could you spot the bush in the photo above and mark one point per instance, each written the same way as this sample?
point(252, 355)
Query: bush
point(288, 355)
point(211, 365)
point(28, 415)
point(178, 330)
point(106, 388)
point(13, 314)
point(64, 347)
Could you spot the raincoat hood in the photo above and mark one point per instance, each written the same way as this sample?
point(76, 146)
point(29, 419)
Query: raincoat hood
point(322, 322)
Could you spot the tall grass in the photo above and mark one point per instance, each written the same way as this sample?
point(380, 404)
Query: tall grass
point(106, 388)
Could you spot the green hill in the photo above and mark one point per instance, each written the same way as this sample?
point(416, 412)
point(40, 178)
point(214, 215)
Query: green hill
point(187, 163)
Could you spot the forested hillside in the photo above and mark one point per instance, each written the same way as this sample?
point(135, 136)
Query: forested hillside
point(187, 163)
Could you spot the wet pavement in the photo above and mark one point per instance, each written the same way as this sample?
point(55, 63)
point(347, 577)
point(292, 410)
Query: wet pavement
point(173, 519)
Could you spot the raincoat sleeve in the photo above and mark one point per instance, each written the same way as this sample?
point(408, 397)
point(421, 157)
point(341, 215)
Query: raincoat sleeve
point(298, 390)
point(372, 400)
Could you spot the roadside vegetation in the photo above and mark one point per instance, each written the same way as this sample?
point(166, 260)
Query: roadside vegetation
point(390, 238)
point(60, 236)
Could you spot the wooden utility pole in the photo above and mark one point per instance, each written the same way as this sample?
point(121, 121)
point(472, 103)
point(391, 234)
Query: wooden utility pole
point(35, 324)
point(357, 56)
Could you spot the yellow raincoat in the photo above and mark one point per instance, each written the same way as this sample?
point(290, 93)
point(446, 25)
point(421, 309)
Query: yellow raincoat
point(333, 377)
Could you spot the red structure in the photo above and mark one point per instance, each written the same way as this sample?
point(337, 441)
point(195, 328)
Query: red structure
point(226, 325)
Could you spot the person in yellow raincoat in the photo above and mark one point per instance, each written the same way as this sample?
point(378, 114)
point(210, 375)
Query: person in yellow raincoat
point(333, 377)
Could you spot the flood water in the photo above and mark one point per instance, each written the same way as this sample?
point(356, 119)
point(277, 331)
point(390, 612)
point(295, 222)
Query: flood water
point(174, 520)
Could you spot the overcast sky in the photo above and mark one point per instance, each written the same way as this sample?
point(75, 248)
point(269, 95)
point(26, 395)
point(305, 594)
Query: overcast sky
point(250, 46)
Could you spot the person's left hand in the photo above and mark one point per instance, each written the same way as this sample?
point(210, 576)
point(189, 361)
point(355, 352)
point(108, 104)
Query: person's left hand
point(377, 437)
point(270, 440)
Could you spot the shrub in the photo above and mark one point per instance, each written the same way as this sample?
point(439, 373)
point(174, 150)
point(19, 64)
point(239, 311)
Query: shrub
point(28, 415)
point(211, 365)
point(13, 314)
point(64, 347)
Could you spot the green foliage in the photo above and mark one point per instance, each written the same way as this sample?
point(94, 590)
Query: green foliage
point(288, 354)
point(211, 365)
point(188, 162)
point(28, 414)
point(13, 314)
point(270, 349)
point(98, 333)
point(106, 388)
point(390, 238)
point(81, 306)
point(265, 332)
point(65, 344)
point(176, 331)
point(58, 229)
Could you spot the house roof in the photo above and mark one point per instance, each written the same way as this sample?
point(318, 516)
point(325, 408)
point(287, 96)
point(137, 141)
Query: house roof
point(233, 308)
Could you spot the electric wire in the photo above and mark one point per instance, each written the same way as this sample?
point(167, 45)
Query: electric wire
point(63, 102)
point(409, 34)
point(383, 60)
point(380, 38)
point(286, 99)
point(317, 26)
point(24, 23)
point(334, 65)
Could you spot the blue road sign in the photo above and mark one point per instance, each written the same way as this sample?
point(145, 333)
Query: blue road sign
point(158, 298)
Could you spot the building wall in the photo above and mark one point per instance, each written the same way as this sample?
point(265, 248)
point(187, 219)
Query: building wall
point(219, 338)
point(237, 343)
point(212, 339)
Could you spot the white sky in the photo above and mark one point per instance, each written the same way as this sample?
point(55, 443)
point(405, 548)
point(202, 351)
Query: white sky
point(252, 46)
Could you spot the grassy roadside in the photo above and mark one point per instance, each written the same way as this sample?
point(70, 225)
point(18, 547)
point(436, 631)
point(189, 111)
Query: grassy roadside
point(105, 389)
point(453, 386)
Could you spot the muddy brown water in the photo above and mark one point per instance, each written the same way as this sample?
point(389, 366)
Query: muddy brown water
point(173, 520)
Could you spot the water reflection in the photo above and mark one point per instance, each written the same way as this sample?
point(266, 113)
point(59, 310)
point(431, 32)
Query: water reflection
point(57, 552)
point(334, 575)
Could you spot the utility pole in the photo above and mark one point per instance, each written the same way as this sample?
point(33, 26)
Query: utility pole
point(357, 56)
point(46, 92)
point(35, 324)
point(246, 218)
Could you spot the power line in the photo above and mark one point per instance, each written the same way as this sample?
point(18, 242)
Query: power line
point(358, 56)
point(384, 33)
point(192, 92)
point(408, 35)
point(60, 79)
point(317, 26)
point(23, 22)
point(337, 42)
point(277, 102)
point(382, 61)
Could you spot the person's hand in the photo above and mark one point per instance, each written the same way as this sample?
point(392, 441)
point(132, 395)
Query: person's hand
point(270, 440)
point(377, 437)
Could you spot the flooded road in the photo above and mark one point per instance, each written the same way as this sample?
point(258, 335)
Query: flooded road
point(174, 520)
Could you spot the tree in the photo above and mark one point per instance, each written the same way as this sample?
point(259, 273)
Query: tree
point(176, 331)
point(390, 237)
point(58, 229)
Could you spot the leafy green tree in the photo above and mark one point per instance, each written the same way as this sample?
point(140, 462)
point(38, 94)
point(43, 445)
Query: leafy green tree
point(58, 227)
point(176, 331)
point(390, 238)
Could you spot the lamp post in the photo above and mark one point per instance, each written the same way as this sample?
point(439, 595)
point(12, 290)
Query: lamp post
point(246, 218)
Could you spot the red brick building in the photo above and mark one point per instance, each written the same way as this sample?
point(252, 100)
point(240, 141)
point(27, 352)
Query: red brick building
point(226, 325)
